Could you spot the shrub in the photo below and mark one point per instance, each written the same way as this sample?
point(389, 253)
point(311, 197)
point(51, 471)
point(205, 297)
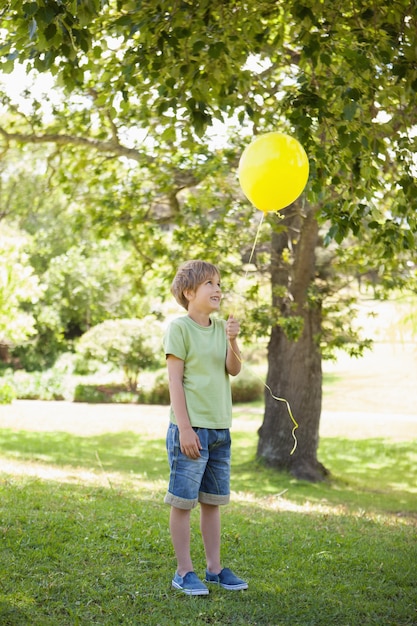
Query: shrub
point(127, 397)
point(7, 393)
point(119, 394)
point(47, 385)
point(247, 387)
point(131, 345)
point(105, 394)
point(159, 393)
point(93, 394)
point(84, 367)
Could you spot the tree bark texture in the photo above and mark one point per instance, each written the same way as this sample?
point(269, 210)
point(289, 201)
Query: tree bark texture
point(294, 366)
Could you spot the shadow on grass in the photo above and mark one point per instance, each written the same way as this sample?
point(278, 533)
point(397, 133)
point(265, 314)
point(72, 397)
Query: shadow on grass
point(364, 473)
point(368, 473)
point(118, 452)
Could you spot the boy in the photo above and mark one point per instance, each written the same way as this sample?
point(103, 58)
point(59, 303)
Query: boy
point(201, 352)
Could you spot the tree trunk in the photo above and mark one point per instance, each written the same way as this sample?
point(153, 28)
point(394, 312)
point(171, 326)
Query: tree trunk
point(294, 366)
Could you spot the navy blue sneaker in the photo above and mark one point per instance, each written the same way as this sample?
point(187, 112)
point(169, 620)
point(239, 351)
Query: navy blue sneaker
point(189, 584)
point(226, 579)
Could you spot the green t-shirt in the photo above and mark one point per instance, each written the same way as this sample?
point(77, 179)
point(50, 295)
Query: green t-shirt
point(206, 382)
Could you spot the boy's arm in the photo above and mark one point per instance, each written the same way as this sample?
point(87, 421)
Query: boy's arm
point(233, 357)
point(189, 441)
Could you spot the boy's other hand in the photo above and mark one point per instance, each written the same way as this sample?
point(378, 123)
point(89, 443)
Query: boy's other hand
point(190, 443)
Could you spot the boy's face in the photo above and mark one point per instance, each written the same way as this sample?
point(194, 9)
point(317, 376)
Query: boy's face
point(206, 298)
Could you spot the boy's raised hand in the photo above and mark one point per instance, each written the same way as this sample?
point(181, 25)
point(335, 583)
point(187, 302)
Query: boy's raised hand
point(232, 328)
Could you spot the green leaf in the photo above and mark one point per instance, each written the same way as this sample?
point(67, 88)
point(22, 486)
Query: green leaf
point(46, 14)
point(7, 67)
point(30, 8)
point(50, 31)
point(217, 49)
point(349, 111)
point(353, 93)
point(198, 46)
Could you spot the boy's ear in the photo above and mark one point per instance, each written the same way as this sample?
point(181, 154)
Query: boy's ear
point(189, 294)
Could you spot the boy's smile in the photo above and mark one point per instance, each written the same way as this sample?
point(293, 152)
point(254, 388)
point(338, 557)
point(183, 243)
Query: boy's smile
point(205, 299)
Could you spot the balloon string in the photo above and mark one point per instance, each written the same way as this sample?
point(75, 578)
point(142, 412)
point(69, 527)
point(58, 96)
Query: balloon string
point(258, 230)
point(289, 413)
point(254, 373)
point(239, 358)
point(254, 243)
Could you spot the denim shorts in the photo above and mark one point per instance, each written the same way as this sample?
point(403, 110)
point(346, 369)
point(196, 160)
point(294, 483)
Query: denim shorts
point(206, 479)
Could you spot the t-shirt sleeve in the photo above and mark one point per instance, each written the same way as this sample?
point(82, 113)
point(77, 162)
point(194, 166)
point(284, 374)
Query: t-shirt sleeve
point(174, 342)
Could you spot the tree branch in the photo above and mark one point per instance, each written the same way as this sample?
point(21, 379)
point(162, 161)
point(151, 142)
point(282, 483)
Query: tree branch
point(112, 147)
point(181, 178)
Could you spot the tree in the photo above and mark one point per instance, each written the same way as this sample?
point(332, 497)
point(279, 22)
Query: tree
point(149, 80)
point(18, 286)
point(82, 284)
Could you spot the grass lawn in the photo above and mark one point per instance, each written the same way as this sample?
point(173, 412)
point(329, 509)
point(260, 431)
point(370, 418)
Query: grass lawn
point(85, 540)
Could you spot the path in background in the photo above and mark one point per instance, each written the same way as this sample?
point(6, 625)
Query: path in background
point(375, 396)
point(384, 380)
point(84, 419)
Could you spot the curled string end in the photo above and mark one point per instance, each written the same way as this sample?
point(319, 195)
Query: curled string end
point(295, 440)
point(279, 400)
point(290, 414)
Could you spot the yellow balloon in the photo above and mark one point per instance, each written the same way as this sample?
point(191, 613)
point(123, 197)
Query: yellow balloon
point(273, 171)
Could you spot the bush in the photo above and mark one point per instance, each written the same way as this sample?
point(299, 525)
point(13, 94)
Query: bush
point(39, 353)
point(247, 387)
point(120, 394)
point(84, 367)
point(131, 345)
point(127, 397)
point(159, 393)
point(91, 394)
point(7, 393)
point(104, 394)
point(47, 385)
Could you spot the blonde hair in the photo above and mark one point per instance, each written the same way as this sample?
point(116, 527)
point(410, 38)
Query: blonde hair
point(190, 275)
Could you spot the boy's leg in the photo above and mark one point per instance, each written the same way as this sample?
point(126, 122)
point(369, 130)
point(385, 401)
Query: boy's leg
point(210, 530)
point(179, 524)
